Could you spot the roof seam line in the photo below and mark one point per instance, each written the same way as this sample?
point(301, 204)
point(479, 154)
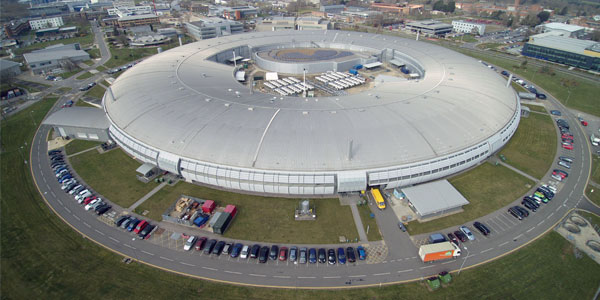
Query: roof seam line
point(263, 137)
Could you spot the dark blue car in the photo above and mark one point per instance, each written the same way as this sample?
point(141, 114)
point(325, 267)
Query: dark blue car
point(312, 256)
point(237, 248)
point(341, 256)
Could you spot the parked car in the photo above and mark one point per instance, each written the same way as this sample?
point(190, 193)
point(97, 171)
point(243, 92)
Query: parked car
point(331, 259)
point(482, 228)
point(312, 255)
point(218, 248)
point(283, 252)
point(146, 231)
point(461, 236)
point(564, 164)
point(132, 224)
point(322, 256)
point(103, 208)
point(453, 238)
point(302, 257)
point(294, 254)
point(529, 204)
point(561, 173)
point(467, 232)
point(141, 226)
point(200, 243)
point(362, 253)
point(189, 243)
point(341, 256)
point(523, 211)
point(210, 245)
point(93, 204)
point(244, 252)
point(567, 145)
point(351, 254)
point(274, 252)
point(263, 255)
point(227, 248)
point(120, 220)
point(125, 223)
point(566, 159)
point(236, 250)
point(515, 213)
point(401, 226)
point(254, 251)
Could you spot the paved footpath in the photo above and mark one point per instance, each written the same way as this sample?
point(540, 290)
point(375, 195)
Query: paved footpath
point(150, 194)
point(358, 222)
point(519, 171)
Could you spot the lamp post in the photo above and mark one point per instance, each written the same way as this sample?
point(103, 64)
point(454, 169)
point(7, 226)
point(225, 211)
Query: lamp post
point(304, 87)
point(464, 261)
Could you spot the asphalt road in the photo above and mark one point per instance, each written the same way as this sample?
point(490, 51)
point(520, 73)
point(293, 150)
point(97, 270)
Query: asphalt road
point(401, 264)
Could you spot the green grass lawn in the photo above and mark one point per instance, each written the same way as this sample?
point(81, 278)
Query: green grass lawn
point(537, 108)
point(85, 75)
point(68, 74)
point(124, 56)
point(365, 216)
point(89, 62)
point(489, 45)
point(583, 96)
point(97, 92)
point(594, 219)
point(101, 68)
point(94, 53)
point(83, 104)
point(85, 41)
point(269, 219)
point(112, 175)
point(79, 145)
point(487, 187)
point(467, 38)
point(533, 147)
point(46, 259)
point(595, 176)
point(595, 195)
point(518, 87)
point(64, 90)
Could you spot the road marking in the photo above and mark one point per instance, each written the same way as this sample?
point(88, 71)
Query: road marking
point(558, 208)
point(128, 246)
point(385, 261)
point(167, 258)
point(405, 271)
point(98, 231)
point(425, 267)
point(278, 276)
point(184, 263)
point(68, 210)
point(330, 277)
point(116, 241)
point(381, 274)
point(540, 223)
point(550, 215)
point(60, 202)
point(353, 276)
point(502, 244)
point(148, 253)
point(530, 229)
point(518, 236)
point(86, 224)
point(76, 217)
point(393, 260)
point(232, 272)
point(53, 194)
point(448, 262)
point(413, 257)
point(212, 269)
point(486, 250)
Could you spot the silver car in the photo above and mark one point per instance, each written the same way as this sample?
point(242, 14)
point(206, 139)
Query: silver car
point(564, 164)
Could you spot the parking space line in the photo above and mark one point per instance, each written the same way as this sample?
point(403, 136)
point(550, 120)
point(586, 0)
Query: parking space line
point(152, 254)
point(500, 220)
point(508, 219)
point(495, 225)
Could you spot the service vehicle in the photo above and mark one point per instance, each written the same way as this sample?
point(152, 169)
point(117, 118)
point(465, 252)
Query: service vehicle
point(438, 251)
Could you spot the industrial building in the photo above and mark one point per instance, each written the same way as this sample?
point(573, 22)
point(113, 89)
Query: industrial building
point(434, 199)
point(468, 27)
point(209, 28)
point(567, 30)
point(9, 69)
point(430, 27)
point(54, 57)
point(215, 131)
point(552, 46)
point(137, 20)
point(46, 23)
point(240, 12)
point(332, 9)
point(77, 122)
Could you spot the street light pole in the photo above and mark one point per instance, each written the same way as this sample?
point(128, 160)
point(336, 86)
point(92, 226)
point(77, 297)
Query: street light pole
point(464, 261)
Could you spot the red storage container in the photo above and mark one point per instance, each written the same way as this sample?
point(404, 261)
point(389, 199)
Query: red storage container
point(208, 206)
point(231, 209)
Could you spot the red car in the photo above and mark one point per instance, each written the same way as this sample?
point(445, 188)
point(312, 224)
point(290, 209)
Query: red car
point(140, 226)
point(200, 243)
point(560, 173)
point(88, 200)
point(283, 251)
point(584, 123)
point(567, 146)
point(567, 136)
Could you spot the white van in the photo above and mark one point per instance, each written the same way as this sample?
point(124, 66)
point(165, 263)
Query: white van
point(190, 243)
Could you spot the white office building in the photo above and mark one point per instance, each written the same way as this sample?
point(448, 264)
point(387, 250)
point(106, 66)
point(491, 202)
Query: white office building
point(46, 23)
point(467, 27)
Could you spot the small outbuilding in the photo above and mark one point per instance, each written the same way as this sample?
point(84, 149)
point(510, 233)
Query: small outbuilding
point(434, 199)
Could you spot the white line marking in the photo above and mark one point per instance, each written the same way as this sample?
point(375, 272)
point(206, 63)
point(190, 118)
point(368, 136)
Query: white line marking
point(448, 262)
point(232, 272)
point(86, 224)
point(76, 217)
point(413, 257)
point(354, 276)
point(53, 194)
point(212, 269)
point(68, 210)
point(330, 277)
point(502, 244)
point(425, 267)
point(518, 236)
point(381, 274)
point(558, 208)
point(277, 276)
point(530, 229)
point(486, 250)
point(60, 202)
point(167, 258)
point(405, 271)
point(115, 240)
point(128, 246)
point(310, 277)
point(550, 215)
point(148, 253)
point(540, 223)
point(98, 231)
point(184, 263)
point(393, 260)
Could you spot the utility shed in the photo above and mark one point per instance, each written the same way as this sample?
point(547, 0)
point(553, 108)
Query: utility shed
point(373, 65)
point(84, 123)
point(434, 199)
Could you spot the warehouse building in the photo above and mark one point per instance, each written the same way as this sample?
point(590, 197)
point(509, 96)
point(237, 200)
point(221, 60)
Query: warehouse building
point(434, 199)
point(55, 57)
point(83, 123)
point(137, 20)
point(552, 46)
point(430, 27)
point(568, 30)
point(9, 69)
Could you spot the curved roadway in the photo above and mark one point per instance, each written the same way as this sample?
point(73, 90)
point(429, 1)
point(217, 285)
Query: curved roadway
point(401, 264)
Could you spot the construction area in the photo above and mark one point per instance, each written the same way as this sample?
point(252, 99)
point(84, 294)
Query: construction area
point(200, 213)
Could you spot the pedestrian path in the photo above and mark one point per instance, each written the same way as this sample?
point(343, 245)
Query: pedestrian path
point(81, 152)
point(150, 194)
point(518, 171)
point(358, 222)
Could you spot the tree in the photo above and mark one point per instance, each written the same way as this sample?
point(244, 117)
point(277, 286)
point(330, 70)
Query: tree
point(564, 11)
point(524, 64)
point(451, 6)
point(439, 5)
point(543, 16)
point(596, 35)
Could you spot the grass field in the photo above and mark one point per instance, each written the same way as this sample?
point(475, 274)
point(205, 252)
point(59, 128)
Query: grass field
point(85, 41)
point(487, 187)
point(365, 216)
point(124, 56)
point(89, 62)
point(94, 53)
point(518, 87)
point(533, 147)
point(595, 168)
point(64, 90)
point(595, 195)
point(101, 68)
point(489, 45)
point(46, 259)
point(83, 103)
point(97, 92)
point(79, 145)
point(467, 38)
point(583, 95)
point(85, 75)
point(111, 174)
point(68, 74)
point(268, 219)
point(537, 108)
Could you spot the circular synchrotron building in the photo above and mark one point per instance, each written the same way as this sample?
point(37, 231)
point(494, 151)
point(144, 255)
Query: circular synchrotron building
point(184, 111)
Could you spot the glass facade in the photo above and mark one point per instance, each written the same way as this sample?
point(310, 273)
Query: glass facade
point(563, 57)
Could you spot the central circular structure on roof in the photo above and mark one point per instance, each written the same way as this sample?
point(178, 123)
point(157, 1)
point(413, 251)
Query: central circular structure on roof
point(184, 111)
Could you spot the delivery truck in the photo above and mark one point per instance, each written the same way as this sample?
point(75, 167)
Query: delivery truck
point(438, 251)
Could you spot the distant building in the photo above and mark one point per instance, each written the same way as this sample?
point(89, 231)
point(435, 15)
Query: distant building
point(552, 46)
point(277, 24)
point(46, 23)
point(429, 27)
point(240, 12)
point(54, 57)
point(568, 30)
point(209, 28)
point(122, 11)
point(9, 69)
point(404, 9)
point(15, 28)
point(468, 27)
point(312, 23)
point(332, 9)
point(137, 20)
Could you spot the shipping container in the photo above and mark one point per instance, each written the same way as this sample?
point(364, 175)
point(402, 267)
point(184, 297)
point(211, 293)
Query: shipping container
point(353, 71)
point(358, 67)
point(231, 209)
point(208, 206)
point(214, 219)
point(221, 225)
point(201, 220)
point(438, 251)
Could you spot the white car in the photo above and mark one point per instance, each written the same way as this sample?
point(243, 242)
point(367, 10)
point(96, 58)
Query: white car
point(244, 252)
point(74, 190)
point(467, 232)
point(190, 243)
point(98, 203)
point(91, 204)
point(82, 195)
point(551, 188)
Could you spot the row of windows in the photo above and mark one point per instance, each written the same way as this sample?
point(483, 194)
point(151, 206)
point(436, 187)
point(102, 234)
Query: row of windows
point(207, 178)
